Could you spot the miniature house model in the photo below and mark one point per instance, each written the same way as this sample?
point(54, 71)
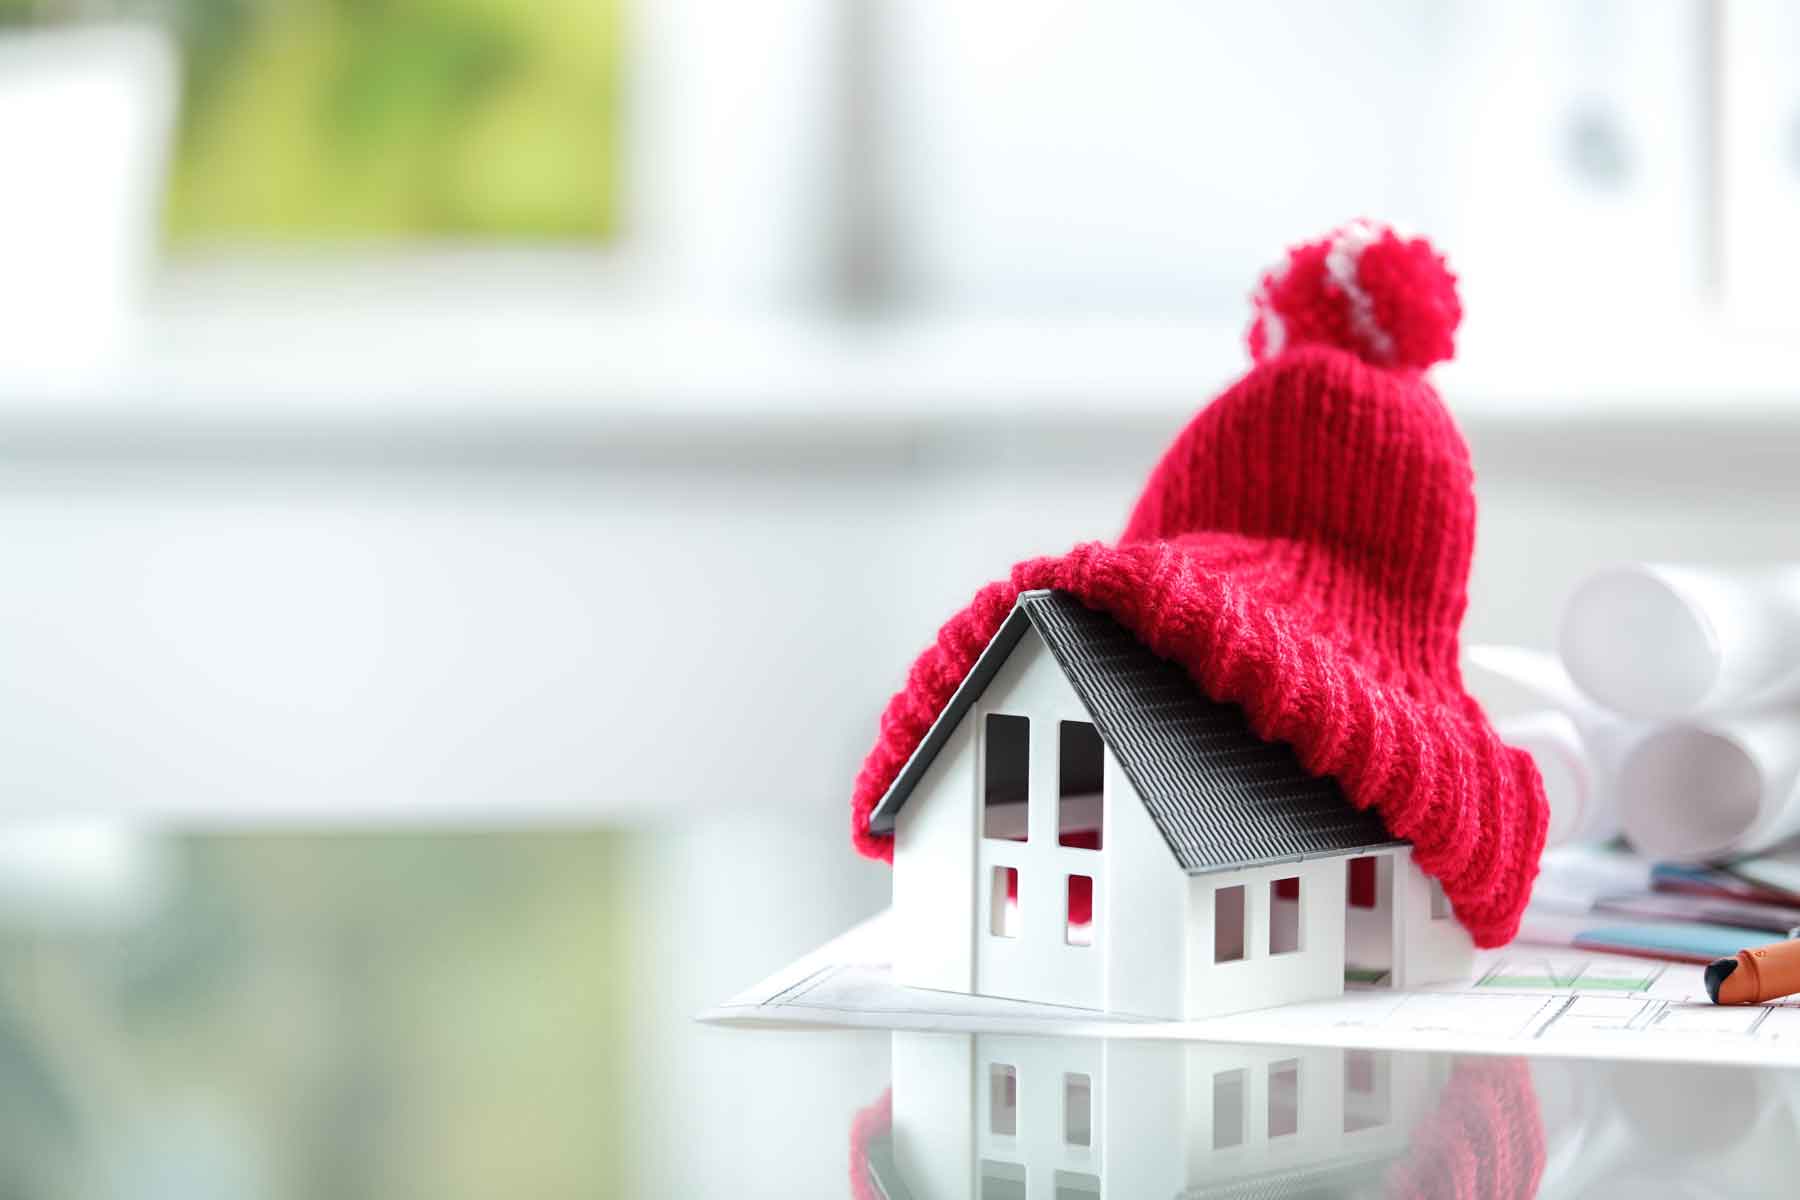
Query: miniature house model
point(977, 1117)
point(1082, 826)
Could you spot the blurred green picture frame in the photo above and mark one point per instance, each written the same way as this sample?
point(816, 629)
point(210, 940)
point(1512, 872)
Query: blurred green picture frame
point(333, 120)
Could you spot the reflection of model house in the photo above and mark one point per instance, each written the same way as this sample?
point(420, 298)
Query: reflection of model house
point(986, 1117)
point(1083, 826)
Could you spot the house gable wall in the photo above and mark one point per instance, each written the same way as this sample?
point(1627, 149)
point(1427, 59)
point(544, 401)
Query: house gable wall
point(1039, 963)
point(943, 867)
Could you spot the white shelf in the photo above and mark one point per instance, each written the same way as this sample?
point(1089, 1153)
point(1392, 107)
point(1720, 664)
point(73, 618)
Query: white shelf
point(593, 367)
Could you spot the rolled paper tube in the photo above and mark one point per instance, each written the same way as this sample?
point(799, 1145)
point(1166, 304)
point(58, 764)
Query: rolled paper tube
point(1708, 791)
point(1576, 744)
point(1555, 745)
point(1531, 678)
point(1755, 976)
point(1665, 641)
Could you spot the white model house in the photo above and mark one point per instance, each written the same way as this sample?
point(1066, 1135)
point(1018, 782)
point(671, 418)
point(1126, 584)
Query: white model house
point(1082, 826)
point(977, 1117)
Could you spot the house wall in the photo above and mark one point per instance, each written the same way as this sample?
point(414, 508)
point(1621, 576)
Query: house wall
point(1259, 979)
point(934, 918)
point(1144, 938)
point(1428, 949)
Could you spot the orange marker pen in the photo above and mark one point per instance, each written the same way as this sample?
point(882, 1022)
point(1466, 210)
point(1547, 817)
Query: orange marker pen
point(1755, 976)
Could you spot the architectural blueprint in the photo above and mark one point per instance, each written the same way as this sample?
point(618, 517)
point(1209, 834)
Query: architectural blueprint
point(1520, 1000)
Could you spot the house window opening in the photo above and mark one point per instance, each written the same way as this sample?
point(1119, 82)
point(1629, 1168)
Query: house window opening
point(1003, 903)
point(1002, 1180)
point(1078, 1110)
point(1077, 1185)
point(1284, 915)
point(1081, 792)
point(1006, 778)
point(1440, 903)
point(1078, 929)
point(1228, 924)
point(1228, 1109)
point(1003, 1099)
point(1365, 1099)
point(1284, 1097)
point(1369, 931)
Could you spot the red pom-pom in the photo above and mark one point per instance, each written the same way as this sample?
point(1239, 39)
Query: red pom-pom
point(1389, 300)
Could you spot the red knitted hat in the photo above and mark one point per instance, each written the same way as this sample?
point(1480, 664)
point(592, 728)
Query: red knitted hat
point(1302, 550)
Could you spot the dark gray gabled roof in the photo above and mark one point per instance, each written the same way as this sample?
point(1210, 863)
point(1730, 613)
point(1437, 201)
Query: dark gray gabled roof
point(1221, 796)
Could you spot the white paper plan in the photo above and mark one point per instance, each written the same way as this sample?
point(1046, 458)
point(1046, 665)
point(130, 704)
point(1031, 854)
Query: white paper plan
point(1520, 1000)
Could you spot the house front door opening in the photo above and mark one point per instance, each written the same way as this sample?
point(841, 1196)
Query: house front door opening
point(1370, 927)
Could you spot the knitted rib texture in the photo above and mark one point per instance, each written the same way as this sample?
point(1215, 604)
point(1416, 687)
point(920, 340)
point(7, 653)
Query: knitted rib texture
point(1482, 1140)
point(1301, 550)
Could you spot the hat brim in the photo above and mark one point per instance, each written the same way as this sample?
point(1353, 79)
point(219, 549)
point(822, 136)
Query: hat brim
point(1222, 607)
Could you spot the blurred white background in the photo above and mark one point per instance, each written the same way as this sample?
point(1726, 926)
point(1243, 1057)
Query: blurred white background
point(639, 530)
point(375, 528)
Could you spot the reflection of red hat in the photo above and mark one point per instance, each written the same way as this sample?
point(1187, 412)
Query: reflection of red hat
point(875, 1121)
point(1302, 550)
point(1483, 1141)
